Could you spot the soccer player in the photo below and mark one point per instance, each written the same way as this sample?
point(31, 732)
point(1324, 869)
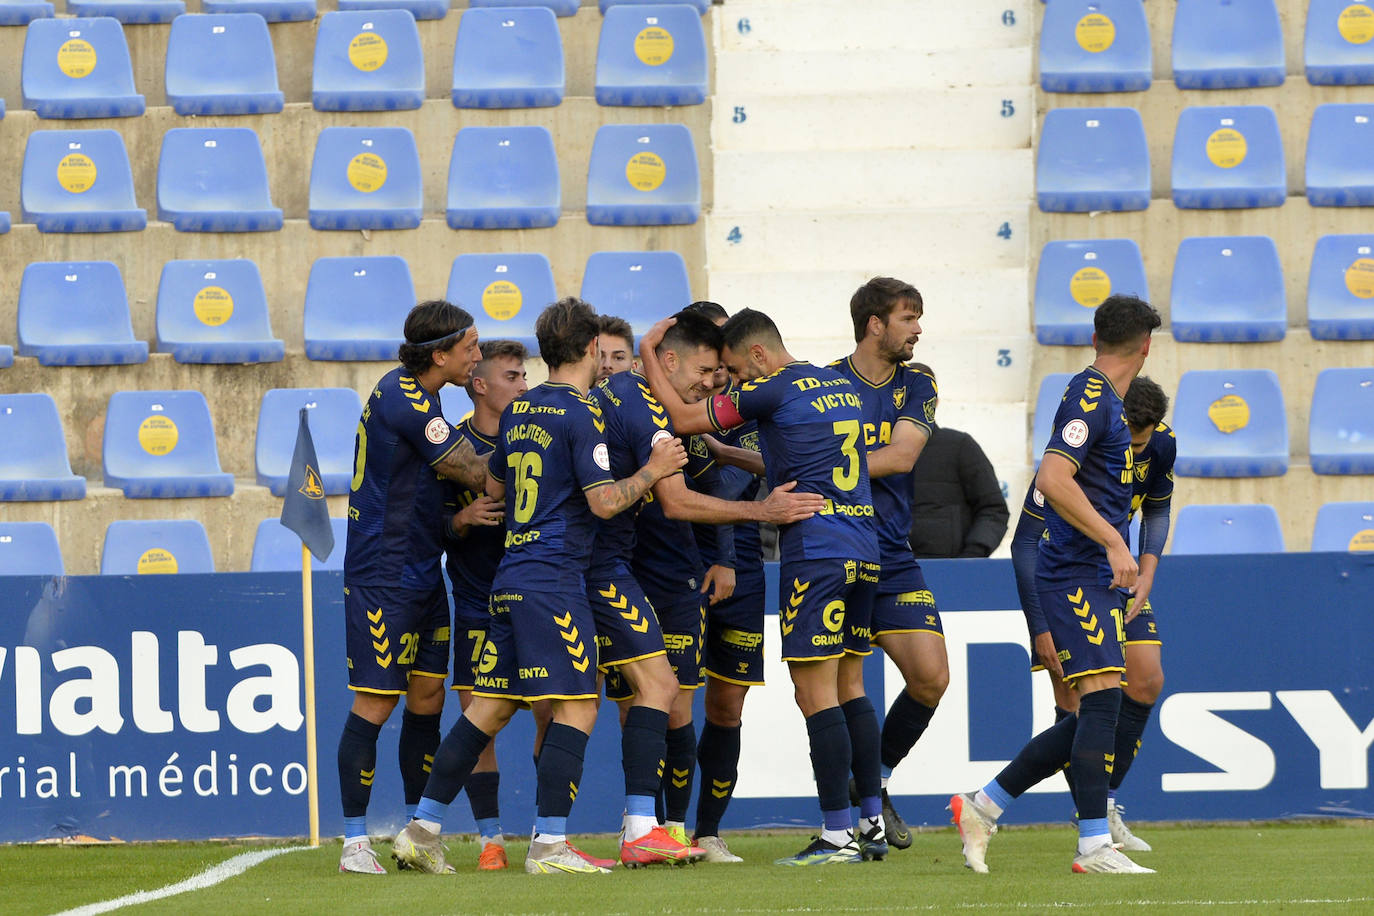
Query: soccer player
point(1085, 476)
point(617, 347)
point(898, 413)
point(1152, 487)
point(810, 423)
point(550, 466)
point(650, 652)
point(476, 542)
point(395, 608)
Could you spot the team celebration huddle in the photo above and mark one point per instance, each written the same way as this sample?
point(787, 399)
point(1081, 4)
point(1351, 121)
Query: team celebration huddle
point(602, 537)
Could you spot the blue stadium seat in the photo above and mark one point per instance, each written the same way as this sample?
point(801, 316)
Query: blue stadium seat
point(1047, 401)
point(1338, 49)
point(455, 404)
point(214, 179)
point(222, 65)
point(29, 549)
point(79, 181)
point(508, 59)
point(639, 286)
point(215, 312)
point(559, 7)
point(1072, 280)
point(77, 314)
point(651, 55)
point(1092, 159)
point(161, 444)
point(503, 178)
point(1230, 423)
point(368, 60)
point(504, 292)
point(136, 548)
point(1228, 289)
point(1340, 156)
point(276, 548)
point(22, 12)
point(271, 10)
point(1343, 527)
point(33, 459)
point(643, 175)
point(129, 11)
point(6, 356)
point(1095, 46)
point(4, 221)
point(1227, 158)
point(419, 9)
point(79, 68)
point(1340, 426)
point(333, 415)
point(365, 178)
point(355, 307)
point(1340, 288)
point(701, 6)
point(1227, 44)
point(1225, 529)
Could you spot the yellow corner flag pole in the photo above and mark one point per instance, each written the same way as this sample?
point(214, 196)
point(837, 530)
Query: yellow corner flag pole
point(311, 756)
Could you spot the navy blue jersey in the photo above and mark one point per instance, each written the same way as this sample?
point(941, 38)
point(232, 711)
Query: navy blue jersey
point(906, 395)
point(472, 559)
point(550, 450)
point(396, 505)
point(1153, 477)
point(810, 430)
point(666, 561)
point(1090, 430)
point(736, 483)
point(634, 421)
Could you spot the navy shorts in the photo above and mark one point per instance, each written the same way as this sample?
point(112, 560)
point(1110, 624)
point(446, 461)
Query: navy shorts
point(734, 638)
point(1143, 630)
point(627, 628)
point(827, 608)
point(471, 617)
point(392, 633)
point(1085, 621)
point(683, 619)
point(541, 645)
point(904, 603)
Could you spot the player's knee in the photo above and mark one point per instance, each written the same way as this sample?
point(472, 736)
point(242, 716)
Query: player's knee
point(1146, 687)
point(374, 707)
point(724, 703)
point(425, 696)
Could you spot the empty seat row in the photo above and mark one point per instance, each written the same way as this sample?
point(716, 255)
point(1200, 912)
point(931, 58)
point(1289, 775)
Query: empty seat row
point(1224, 288)
point(224, 64)
point(214, 179)
point(1226, 529)
point(1104, 45)
point(1224, 157)
point(1232, 422)
point(77, 313)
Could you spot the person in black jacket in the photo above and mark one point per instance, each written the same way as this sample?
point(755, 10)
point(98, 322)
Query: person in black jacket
point(957, 506)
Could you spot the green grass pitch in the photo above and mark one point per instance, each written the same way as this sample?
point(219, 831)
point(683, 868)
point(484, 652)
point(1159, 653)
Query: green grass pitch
point(1260, 868)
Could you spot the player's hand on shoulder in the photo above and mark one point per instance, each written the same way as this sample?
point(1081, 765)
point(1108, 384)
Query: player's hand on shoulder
point(1124, 568)
point(667, 456)
point(784, 505)
point(654, 336)
point(482, 511)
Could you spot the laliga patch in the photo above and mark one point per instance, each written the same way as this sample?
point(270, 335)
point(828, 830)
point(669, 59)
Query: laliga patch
point(1075, 433)
point(659, 437)
point(436, 430)
point(601, 456)
point(1038, 498)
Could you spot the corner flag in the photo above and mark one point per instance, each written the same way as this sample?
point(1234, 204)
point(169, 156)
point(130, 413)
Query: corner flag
point(305, 510)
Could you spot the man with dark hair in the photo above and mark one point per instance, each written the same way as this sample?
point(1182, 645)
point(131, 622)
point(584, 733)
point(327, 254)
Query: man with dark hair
point(1085, 477)
point(810, 422)
point(1152, 485)
point(551, 467)
point(617, 346)
point(395, 608)
point(898, 416)
point(712, 310)
point(476, 535)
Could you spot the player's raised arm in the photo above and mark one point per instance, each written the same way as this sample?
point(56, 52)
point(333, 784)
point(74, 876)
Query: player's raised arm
point(611, 499)
point(464, 465)
point(783, 506)
point(898, 456)
point(1056, 481)
point(744, 458)
point(687, 418)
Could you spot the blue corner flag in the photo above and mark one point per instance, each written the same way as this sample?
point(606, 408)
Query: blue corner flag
point(305, 510)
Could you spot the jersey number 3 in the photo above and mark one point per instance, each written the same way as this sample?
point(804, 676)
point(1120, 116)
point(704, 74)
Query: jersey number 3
point(846, 476)
point(527, 467)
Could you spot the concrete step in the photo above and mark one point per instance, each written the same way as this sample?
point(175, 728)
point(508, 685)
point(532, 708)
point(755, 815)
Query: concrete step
point(881, 70)
point(927, 25)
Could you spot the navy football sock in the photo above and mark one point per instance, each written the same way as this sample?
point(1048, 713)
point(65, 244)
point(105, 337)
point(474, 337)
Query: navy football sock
point(560, 769)
point(718, 756)
point(643, 746)
point(680, 765)
point(1042, 757)
point(483, 790)
point(1060, 714)
point(1130, 725)
point(454, 760)
point(357, 764)
point(419, 741)
point(906, 721)
point(1093, 753)
point(831, 757)
point(862, 722)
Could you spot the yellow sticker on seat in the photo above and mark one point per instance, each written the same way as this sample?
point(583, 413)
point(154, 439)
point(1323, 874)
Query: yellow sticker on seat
point(367, 51)
point(502, 300)
point(76, 173)
point(213, 305)
point(158, 435)
point(1229, 413)
point(1095, 33)
point(76, 58)
point(1359, 278)
point(654, 46)
point(156, 561)
point(367, 172)
point(1226, 148)
point(1356, 23)
point(645, 171)
point(1363, 540)
point(1090, 286)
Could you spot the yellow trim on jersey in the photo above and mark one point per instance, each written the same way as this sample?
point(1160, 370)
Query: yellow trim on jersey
point(467, 424)
point(730, 680)
point(1160, 499)
point(463, 687)
point(919, 424)
point(814, 658)
point(606, 666)
point(1066, 455)
point(501, 696)
point(691, 686)
point(881, 633)
point(858, 653)
point(849, 360)
point(414, 673)
point(1108, 381)
point(384, 693)
point(1038, 518)
point(598, 483)
point(1070, 678)
point(558, 696)
point(447, 453)
point(1143, 642)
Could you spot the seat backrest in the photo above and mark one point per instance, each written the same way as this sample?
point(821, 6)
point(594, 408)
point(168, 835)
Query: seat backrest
point(34, 443)
point(508, 59)
point(212, 168)
point(1223, 529)
point(1340, 288)
point(368, 60)
point(1092, 159)
point(212, 301)
point(1047, 400)
point(1227, 44)
point(129, 11)
point(1342, 527)
point(504, 292)
point(559, 7)
point(1230, 423)
point(1341, 423)
point(144, 547)
point(503, 178)
point(78, 68)
point(1075, 277)
point(219, 56)
point(66, 303)
point(1095, 46)
point(1340, 156)
point(1228, 289)
point(333, 416)
point(357, 305)
point(29, 549)
point(1338, 48)
point(277, 548)
point(76, 172)
point(701, 6)
point(159, 433)
point(271, 10)
point(639, 286)
point(651, 55)
point(643, 175)
point(22, 12)
point(365, 177)
point(1228, 156)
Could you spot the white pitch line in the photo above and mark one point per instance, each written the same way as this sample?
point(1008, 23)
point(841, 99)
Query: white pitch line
point(229, 868)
